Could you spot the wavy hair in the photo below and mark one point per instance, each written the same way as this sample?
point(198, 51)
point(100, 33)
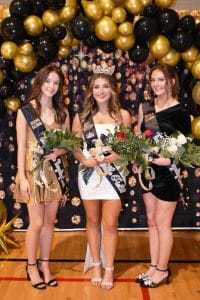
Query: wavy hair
point(171, 78)
point(57, 99)
point(90, 104)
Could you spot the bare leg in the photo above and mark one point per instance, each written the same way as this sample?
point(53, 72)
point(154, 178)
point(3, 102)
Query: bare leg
point(150, 204)
point(164, 214)
point(93, 231)
point(46, 238)
point(36, 216)
point(110, 213)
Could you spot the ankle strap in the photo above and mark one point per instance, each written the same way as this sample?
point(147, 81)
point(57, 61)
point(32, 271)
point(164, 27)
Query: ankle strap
point(32, 264)
point(43, 259)
point(96, 264)
point(160, 270)
point(109, 268)
point(153, 266)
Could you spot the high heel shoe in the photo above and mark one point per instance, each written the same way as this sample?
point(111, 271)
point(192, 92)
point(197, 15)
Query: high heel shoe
point(96, 281)
point(52, 282)
point(107, 285)
point(143, 276)
point(39, 285)
point(150, 284)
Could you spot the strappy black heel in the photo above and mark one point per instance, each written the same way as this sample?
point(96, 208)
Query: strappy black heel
point(51, 282)
point(142, 276)
point(150, 284)
point(39, 285)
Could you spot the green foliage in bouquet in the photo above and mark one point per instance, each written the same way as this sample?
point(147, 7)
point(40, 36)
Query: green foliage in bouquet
point(130, 146)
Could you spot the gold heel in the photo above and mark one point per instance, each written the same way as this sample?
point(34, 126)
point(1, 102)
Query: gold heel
point(96, 281)
point(107, 285)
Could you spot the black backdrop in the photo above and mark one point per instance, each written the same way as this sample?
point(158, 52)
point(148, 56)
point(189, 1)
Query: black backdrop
point(132, 80)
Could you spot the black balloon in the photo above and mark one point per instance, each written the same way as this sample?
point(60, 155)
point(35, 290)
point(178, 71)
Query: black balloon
point(47, 48)
point(19, 8)
point(144, 29)
point(2, 109)
point(181, 41)
point(151, 11)
point(15, 75)
point(138, 53)
point(187, 23)
point(92, 41)
point(5, 64)
point(59, 32)
point(196, 36)
point(12, 29)
point(189, 83)
point(81, 27)
point(6, 89)
point(38, 7)
point(168, 20)
point(55, 4)
point(107, 47)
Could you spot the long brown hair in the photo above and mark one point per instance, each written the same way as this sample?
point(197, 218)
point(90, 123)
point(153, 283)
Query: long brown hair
point(90, 105)
point(57, 99)
point(171, 78)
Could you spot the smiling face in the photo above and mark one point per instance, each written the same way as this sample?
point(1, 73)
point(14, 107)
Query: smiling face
point(51, 85)
point(158, 83)
point(101, 90)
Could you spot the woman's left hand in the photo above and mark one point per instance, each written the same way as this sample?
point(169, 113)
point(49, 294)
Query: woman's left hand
point(162, 161)
point(63, 201)
point(109, 159)
point(54, 154)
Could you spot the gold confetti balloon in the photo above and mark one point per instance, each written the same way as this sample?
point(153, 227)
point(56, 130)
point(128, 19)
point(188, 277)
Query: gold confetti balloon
point(196, 128)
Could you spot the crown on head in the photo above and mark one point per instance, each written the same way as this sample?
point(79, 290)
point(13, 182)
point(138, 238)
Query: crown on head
point(103, 69)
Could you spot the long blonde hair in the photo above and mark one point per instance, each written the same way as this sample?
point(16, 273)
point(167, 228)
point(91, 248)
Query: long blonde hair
point(90, 105)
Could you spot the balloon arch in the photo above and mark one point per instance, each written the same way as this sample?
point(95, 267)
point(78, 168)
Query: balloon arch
point(34, 33)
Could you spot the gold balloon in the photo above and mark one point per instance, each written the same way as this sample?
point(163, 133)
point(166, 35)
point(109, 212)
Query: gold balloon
point(75, 42)
point(72, 3)
point(1, 76)
point(33, 25)
point(67, 13)
point(135, 7)
point(123, 42)
point(126, 28)
point(196, 128)
point(190, 54)
point(149, 59)
point(106, 29)
point(92, 9)
point(197, 20)
point(5, 12)
point(51, 18)
point(195, 69)
point(64, 51)
point(188, 65)
point(164, 3)
point(25, 48)
point(25, 63)
point(119, 14)
point(171, 58)
point(159, 46)
point(107, 6)
point(12, 103)
point(196, 93)
point(146, 2)
point(67, 41)
point(8, 49)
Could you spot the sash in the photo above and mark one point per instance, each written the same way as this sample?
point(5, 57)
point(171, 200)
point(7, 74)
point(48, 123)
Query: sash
point(38, 128)
point(114, 177)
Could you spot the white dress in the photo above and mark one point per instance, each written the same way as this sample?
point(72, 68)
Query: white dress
point(98, 188)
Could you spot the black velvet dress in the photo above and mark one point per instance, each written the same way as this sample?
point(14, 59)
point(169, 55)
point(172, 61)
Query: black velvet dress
point(174, 118)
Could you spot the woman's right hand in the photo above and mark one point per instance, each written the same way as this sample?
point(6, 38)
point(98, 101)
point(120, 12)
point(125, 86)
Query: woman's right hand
point(89, 163)
point(25, 188)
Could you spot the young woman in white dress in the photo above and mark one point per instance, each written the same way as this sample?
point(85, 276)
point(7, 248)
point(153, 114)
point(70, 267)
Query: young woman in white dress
point(101, 198)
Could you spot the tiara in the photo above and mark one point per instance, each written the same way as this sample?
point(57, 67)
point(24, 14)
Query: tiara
point(103, 69)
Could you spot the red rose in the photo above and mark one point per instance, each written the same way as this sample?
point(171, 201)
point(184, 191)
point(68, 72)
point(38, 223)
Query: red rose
point(120, 135)
point(148, 133)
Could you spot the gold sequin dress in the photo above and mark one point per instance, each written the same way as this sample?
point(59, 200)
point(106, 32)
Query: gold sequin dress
point(44, 185)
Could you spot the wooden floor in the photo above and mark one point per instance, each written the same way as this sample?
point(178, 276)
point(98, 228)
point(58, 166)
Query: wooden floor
point(132, 258)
